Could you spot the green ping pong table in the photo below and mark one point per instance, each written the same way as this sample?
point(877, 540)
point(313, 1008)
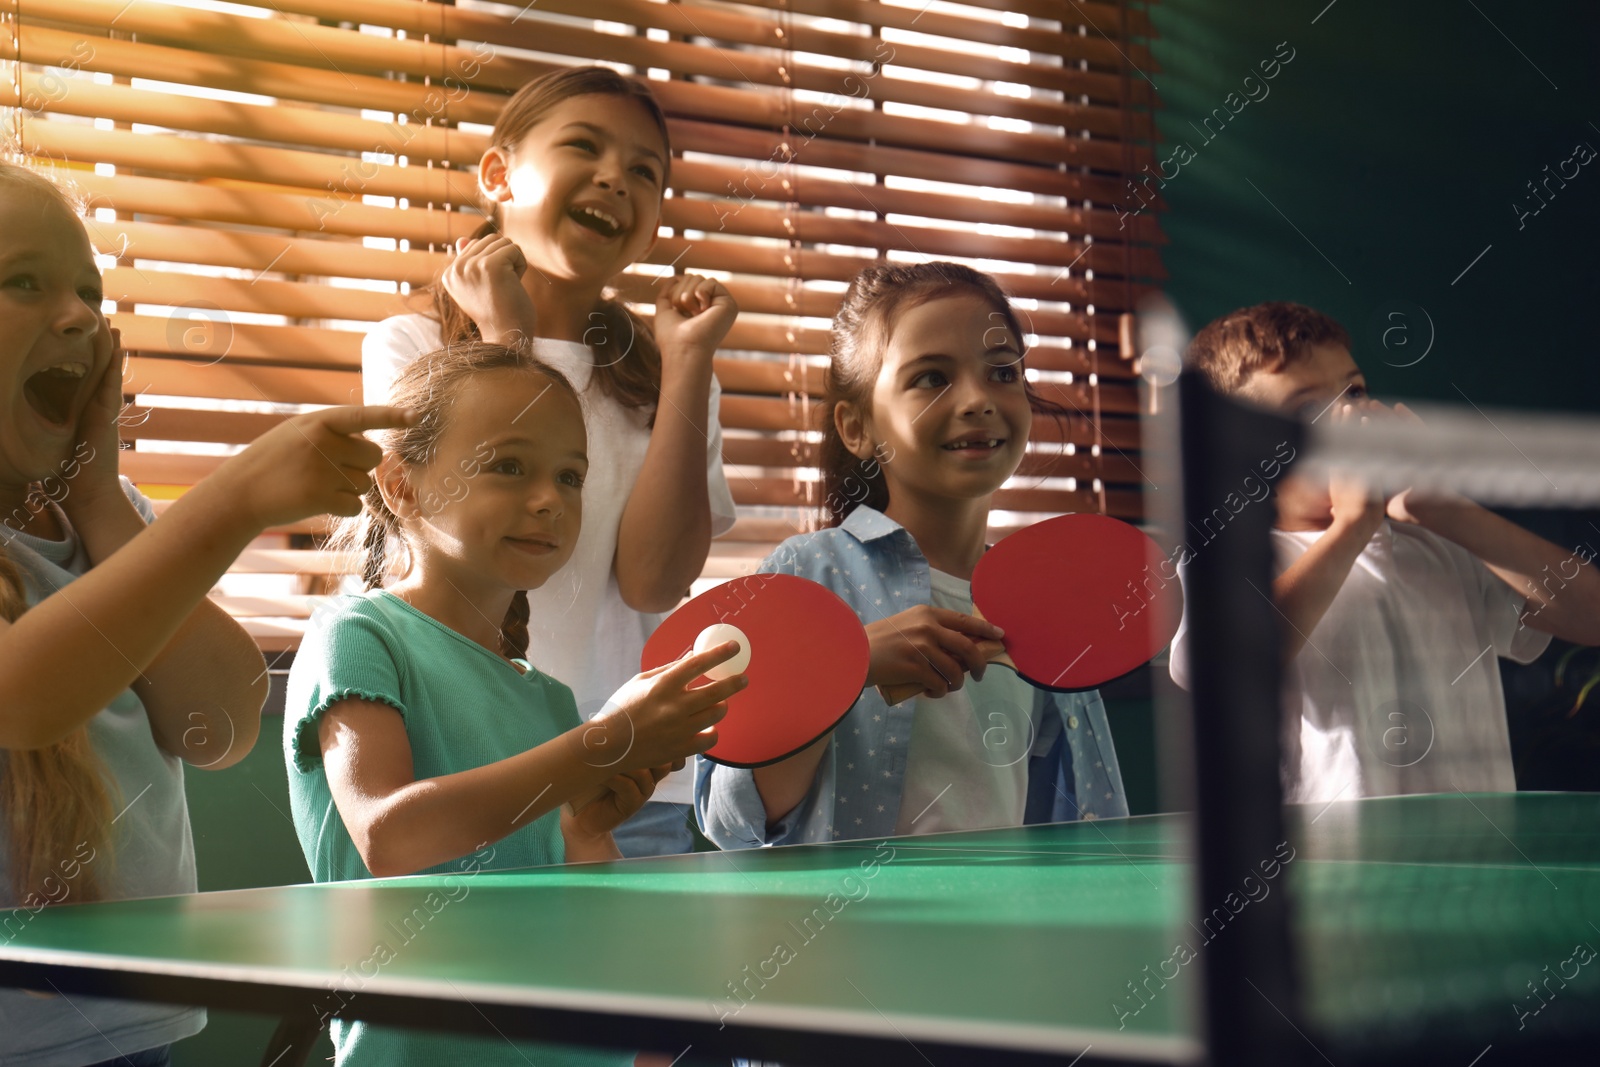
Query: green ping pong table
point(1455, 923)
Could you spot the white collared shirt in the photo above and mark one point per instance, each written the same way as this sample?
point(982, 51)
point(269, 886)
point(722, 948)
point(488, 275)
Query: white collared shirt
point(1397, 690)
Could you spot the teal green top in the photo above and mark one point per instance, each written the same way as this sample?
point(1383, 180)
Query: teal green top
point(463, 707)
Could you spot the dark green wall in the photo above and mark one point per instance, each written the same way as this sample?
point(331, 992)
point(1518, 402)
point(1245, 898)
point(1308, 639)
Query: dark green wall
point(1397, 140)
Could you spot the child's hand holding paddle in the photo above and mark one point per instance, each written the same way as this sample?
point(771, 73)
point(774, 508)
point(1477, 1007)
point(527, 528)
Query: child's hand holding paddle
point(801, 649)
point(929, 650)
point(587, 820)
point(660, 716)
point(1074, 595)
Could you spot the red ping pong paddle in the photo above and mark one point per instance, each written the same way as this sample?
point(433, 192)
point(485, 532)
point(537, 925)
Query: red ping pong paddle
point(808, 662)
point(1082, 599)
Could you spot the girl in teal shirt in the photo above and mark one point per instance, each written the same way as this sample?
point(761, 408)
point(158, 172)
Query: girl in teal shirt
point(415, 733)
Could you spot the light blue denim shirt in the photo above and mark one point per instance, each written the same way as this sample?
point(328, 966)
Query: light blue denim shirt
point(875, 566)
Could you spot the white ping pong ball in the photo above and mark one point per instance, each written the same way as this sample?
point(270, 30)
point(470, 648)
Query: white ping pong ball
point(720, 634)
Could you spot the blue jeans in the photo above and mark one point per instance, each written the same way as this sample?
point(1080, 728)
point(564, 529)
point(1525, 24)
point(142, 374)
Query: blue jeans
point(657, 829)
point(160, 1056)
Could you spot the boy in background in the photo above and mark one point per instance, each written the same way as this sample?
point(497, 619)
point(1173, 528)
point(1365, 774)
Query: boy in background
point(1392, 606)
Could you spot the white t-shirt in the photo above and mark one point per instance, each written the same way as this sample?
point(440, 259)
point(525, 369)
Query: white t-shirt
point(969, 749)
point(151, 854)
point(580, 631)
point(1397, 690)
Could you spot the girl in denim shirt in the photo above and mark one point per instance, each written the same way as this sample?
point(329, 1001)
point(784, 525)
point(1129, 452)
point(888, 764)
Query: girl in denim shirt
point(928, 414)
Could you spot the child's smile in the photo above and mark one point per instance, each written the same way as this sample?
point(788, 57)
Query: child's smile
point(536, 545)
point(54, 391)
point(976, 447)
point(597, 220)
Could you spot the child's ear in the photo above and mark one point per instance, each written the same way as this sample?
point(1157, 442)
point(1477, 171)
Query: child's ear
point(494, 171)
point(395, 487)
point(853, 430)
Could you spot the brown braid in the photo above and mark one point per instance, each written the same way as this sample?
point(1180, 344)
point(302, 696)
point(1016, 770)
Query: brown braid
point(514, 628)
point(375, 537)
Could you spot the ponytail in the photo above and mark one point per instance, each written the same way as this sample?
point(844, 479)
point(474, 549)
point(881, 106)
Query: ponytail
point(375, 520)
point(627, 360)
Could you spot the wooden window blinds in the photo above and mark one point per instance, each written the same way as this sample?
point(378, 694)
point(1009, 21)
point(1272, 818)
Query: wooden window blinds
point(267, 180)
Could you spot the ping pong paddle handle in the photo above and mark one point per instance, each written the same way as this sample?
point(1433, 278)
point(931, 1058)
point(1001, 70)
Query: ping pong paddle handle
point(903, 691)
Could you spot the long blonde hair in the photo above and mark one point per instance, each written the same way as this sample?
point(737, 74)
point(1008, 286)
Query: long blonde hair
point(55, 799)
point(428, 386)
